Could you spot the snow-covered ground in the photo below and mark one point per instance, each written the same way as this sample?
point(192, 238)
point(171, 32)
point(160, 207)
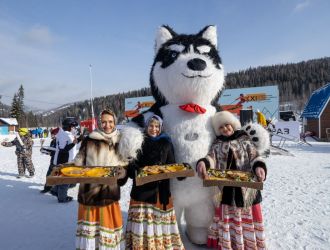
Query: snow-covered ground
point(296, 203)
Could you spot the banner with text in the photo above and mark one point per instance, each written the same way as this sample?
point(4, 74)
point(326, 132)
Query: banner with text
point(286, 130)
point(264, 99)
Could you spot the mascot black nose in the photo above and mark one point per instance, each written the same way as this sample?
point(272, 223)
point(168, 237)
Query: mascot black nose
point(196, 64)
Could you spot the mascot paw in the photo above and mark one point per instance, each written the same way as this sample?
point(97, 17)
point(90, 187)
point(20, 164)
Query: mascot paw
point(259, 136)
point(130, 142)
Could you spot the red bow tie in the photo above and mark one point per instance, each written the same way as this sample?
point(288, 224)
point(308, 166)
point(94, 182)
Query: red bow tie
point(193, 108)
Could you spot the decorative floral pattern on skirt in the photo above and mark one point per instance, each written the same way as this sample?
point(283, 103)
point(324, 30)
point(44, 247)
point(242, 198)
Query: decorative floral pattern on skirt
point(150, 227)
point(100, 227)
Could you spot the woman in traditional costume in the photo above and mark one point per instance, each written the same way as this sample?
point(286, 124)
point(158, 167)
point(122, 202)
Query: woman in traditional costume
point(100, 223)
point(151, 222)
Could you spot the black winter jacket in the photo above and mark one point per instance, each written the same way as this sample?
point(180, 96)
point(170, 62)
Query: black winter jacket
point(50, 150)
point(154, 152)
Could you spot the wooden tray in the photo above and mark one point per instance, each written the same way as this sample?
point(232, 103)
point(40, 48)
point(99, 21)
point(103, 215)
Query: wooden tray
point(56, 179)
point(188, 172)
point(214, 181)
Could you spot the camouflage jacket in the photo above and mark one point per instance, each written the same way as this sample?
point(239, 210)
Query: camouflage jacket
point(25, 149)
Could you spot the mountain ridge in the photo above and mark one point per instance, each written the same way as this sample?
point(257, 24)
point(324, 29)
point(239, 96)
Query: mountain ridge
point(296, 82)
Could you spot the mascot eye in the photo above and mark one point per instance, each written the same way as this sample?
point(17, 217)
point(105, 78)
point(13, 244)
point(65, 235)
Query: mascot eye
point(174, 54)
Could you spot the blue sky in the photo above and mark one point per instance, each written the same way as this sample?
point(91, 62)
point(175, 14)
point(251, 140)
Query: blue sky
point(48, 45)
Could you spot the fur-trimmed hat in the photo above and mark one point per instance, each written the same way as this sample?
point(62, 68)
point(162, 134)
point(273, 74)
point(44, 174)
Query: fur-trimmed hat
point(223, 118)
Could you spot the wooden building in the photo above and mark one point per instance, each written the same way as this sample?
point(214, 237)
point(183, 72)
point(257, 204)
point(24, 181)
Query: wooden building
point(316, 114)
point(8, 125)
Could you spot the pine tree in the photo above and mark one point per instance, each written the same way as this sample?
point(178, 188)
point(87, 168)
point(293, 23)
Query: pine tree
point(1, 107)
point(15, 110)
point(20, 98)
point(17, 107)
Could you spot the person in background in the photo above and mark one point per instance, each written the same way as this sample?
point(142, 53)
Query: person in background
point(270, 128)
point(40, 132)
point(23, 143)
point(34, 133)
point(100, 223)
point(46, 132)
point(261, 119)
point(151, 222)
point(51, 152)
point(238, 216)
point(65, 152)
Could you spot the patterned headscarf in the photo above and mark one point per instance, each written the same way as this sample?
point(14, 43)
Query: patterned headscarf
point(109, 112)
point(154, 118)
point(161, 133)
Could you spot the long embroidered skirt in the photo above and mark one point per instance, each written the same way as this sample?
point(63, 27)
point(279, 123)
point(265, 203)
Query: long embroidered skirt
point(150, 227)
point(213, 232)
point(238, 228)
point(100, 227)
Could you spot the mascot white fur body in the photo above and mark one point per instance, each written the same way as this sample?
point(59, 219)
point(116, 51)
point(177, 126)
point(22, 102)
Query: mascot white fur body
point(188, 70)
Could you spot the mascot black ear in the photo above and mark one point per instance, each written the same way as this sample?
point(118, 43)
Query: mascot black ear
point(209, 33)
point(164, 34)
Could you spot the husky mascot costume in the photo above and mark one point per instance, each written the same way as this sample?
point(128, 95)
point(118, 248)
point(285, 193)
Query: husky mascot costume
point(186, 79)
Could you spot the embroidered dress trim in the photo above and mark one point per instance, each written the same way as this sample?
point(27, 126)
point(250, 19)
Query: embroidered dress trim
point(237, 228)
point(150, 227)
point(100, 227)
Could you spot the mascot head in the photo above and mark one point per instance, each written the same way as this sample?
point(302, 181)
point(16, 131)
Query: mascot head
point(186, 68)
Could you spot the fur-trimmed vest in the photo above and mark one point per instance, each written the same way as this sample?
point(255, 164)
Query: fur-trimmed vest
point(236, 152)
point(100, 149)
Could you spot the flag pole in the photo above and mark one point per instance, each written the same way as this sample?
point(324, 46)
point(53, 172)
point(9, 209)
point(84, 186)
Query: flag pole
point(92, 107)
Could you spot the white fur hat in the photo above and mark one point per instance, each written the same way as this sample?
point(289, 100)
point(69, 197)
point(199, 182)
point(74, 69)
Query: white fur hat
point(223, 118)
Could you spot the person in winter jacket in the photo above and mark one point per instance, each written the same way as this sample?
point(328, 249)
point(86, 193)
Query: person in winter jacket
point(23, 143)
point(66, 150)
point(100, 223)
point(151, 222)
point(51, 152)
point(238, 217)
point(261, 118)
